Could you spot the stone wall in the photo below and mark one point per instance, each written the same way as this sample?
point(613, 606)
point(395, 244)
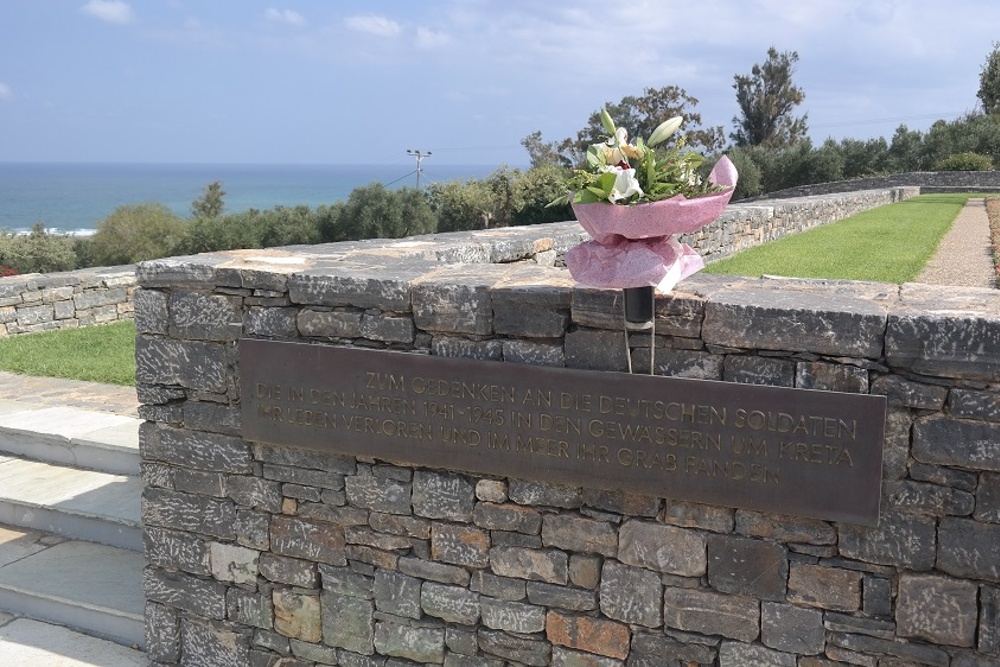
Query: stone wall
point(927, 181)
point(35, 302)
point(269, 555)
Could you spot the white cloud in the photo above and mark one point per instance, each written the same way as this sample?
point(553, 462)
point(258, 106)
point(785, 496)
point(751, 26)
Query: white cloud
point(110, 11)
point(5, 92)
point(430, 39)
point(289, 16)
point(379, 26)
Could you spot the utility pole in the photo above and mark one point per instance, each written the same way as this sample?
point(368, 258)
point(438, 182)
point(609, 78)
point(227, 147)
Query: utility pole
point(420, 158)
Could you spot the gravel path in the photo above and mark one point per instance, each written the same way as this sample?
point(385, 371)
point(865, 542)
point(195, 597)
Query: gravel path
point(964, 257)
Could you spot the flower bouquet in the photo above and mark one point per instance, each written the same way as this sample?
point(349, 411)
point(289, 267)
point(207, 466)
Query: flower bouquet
point(635, 202)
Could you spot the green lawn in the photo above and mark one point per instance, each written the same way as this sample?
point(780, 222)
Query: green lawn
point(103, 353)
point(891, 243)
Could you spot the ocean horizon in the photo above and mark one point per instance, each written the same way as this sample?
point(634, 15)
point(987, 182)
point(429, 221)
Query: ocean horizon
point(72, 198)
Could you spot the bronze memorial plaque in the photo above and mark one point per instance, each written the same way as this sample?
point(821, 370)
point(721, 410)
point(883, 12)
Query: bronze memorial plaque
point(789, 451)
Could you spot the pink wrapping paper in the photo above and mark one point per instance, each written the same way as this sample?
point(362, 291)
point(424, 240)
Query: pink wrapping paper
point(634, 246)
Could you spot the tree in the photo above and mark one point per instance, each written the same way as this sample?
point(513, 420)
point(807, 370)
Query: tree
point(209, 204)
point(989, 82)
point(374, 212)
point(134, 233)
point(542, 153)
point(640, 116)
point(767, 98)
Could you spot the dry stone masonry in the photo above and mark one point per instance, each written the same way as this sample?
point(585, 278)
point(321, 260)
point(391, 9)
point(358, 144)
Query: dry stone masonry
point(268, 555)
point(34, 302)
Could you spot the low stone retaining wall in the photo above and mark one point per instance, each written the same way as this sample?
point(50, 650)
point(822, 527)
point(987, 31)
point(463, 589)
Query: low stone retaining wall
point(31, 303)
point(927, 181)
point(264, 554)
point(36, 302)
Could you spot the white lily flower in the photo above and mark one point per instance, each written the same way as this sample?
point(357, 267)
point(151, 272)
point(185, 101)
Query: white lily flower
point(664, 130)
point(626, 184)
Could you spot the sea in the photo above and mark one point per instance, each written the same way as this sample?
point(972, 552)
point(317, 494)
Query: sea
point(72, 198)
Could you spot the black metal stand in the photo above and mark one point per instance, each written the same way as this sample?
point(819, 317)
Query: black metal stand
point(639, 308)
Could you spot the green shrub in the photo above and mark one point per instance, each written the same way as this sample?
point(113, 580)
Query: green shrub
point(135, 233)
point(37, 251)
point(964, 162)
point(374, 212)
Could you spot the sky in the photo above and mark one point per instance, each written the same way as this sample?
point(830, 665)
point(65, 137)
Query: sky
point(363, 81)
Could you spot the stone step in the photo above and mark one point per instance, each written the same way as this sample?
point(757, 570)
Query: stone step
point(79, 504)
point(88, 587)
point(71, 437)
point(25, 642)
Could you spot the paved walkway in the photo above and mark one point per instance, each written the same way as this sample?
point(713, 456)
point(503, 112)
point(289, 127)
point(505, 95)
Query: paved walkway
point(964, 256)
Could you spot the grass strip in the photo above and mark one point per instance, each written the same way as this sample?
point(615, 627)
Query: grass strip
point(891, 243)
point(104, 353)
point(993, 213)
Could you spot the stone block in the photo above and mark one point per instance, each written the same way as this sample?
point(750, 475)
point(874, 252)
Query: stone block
point(957, 442)
point(531, 311)
point(397, 594)
point(792, 629)
point(876, 596)
point(214, 643)
point(904, 540)
point(579, 534)
point(396, 524)
point(797, 320)
point(590, 635)
point(212, 417)
point(348, 622)
point(662, 548)
point(433, 571)
point(329, 324)
point(163, 638)
point(904, 393)
point(460, 545)
point(346, 581)
point(307, 539)
point(290, 571)
point(585, 570)
point(209, 317)
point(522, 650)
point(933, 499)
point(307, 654)
point(735, 654)
point(204, 597)
point(195, 365)
point(831, 377)
point(463, 348)
point(654, 650)
point(254, 492)
point(272, 322)
point(784, 528)
point(252, 529)
point(747, 369)
point(988, 637)
point(697, 515)
point(630, 594)
point(357, 285)
point(378, 494)
point(250, 608)
point(442, 305)
point(825, 587)
point(595, 350)
point(183, 511)
point(711, 613)
point(622, 502)
point(561, 597)
point(509, 517)
point(922, 337)
point(387, 327)
point(443, 496)
point(501, 588)
point(413, 643)
point(198, 450)
point(532, 352)
point(63, 310)
point(461, 660)
point(748, 567)
point(231, 562)
point(546, 494)
point(973, 404)
point(297, 615)
point(938, 609)
point(31, 316)
point(175, 549)
point(548, 565)
point(968, 549)
point(692, 364)
point(910, 653)
point(512, 616)
point(453, 604)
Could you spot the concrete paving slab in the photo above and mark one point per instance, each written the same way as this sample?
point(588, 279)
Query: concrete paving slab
point(80, 584)
point(18, 544)
point(28, 643)
point(62, 422)
point(11, 407)
point(75, 503)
